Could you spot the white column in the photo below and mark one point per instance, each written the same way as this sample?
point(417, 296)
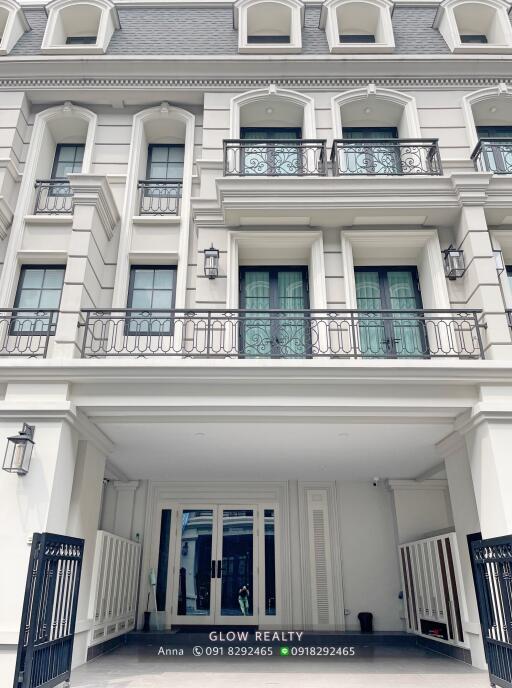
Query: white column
point(489, 440)
point(465, 517)
point(124, 507)
point(83, 522)
point(36, 502)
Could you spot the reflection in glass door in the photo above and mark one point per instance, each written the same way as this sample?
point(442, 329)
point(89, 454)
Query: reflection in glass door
point(216, 563)
point(195, 563)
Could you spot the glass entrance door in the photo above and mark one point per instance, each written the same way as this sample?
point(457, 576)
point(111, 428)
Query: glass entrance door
point(215, 576)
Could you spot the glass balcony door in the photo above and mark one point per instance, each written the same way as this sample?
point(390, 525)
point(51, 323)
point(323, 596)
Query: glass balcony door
point(269, 159)
point(371, 158)
point(215, 575)
point(397, 334)
point(282, 333)
point(497, 156)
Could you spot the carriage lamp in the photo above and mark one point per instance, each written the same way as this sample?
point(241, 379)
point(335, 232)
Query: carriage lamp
point(454, 265)
point(19, 451)
point(211, 262)
point(500, 260)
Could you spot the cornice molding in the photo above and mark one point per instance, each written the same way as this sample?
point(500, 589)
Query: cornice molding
point(242, 84)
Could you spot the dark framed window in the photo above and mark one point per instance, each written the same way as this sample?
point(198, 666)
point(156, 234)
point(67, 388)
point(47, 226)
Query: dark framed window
point(268, 39)
point(372, 158)
point(271, 160)
point(165, 161)
point(39, 290)
point(278, 334)
point(496, 154)
point(398, 334)
point(357, 38)
point(81, 40)
point(473, 38)
point(152, 295)
point(68, 158)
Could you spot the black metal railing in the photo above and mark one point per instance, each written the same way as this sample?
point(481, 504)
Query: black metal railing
point(274, 158)
point(509, 316)
point(282, 334)
point(25, 332)
point(493, 155)
point(400, 157)
point(159, 196)
point(53, 197)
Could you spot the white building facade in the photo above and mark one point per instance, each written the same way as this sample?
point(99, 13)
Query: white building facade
point(255, 301)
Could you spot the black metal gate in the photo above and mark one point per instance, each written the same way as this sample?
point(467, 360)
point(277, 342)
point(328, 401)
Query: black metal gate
point(492, 563)
point(48, 618)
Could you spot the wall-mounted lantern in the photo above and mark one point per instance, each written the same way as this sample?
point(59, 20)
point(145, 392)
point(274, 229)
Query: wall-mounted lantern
point(454, 265)
point(19, 451)
point(211, 262)
point(500, 260)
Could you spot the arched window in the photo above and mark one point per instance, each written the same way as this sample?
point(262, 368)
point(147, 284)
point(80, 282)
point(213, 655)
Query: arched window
point(13, 25)
point(79, 26)
point(358, 25)
point(488, 115)
point(470, 26)
point(269, 26)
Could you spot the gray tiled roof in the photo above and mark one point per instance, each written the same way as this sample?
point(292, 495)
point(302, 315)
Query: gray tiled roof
point(209, 31)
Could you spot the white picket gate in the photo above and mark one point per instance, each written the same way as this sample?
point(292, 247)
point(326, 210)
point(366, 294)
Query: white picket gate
point(114, 587)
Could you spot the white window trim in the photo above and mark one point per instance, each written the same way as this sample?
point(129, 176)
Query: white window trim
point(140, 120)
point(502, 90)
point(26, 193)
point(446, 22)
point(305, 102)
point(411, 124)
point(329, 21)
point(312, 242)
point(423, 242)
point(15, 26)
point(296, 8)
point(109, 22)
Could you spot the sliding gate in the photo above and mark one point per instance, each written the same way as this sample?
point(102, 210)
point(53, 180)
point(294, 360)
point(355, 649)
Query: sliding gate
point(492, 564)
point(48, 618)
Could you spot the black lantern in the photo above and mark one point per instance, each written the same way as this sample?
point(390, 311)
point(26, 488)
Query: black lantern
point(500, 260)
point(454, 265)
point(211, 262)
point(19, 451)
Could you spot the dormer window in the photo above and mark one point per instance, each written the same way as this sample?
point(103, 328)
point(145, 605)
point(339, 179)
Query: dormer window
point(81, 40)
point(354, 26)
point(79, 26)
point(269, 26)
point(13, 25)
point(470, 26)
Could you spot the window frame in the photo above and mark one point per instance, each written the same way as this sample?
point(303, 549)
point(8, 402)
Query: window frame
point(329, 22)
point(129, 299)
point(240, 21)
point(52, 326)
point(447, 24)
point(151, 147)
point(16, 25)
point(108, 23)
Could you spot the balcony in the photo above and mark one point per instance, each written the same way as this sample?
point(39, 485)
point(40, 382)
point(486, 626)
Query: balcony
point(275, 158)
point(398, 157)
point(53, 197)
point(275, 334)
point(159, 196)
point(493, 155)
point(25, 332)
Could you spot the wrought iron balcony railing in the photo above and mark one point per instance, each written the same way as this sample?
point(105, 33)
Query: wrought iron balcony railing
point(25, 332)
point(509, 316)
point(53, 197)
point(274, 158)
point(493, 155)
point(399, 157)
point(159, 196)
point(283, 334)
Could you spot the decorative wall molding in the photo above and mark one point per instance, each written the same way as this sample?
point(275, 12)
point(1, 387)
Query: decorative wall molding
point(93, 189)
point(242, 84)
point(5, 218)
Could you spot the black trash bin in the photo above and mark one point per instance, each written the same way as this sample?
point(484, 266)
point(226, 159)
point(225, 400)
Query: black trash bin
point(366, 622)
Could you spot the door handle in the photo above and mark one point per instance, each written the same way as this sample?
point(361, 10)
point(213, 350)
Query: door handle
point(213, 568)
point(219, 568)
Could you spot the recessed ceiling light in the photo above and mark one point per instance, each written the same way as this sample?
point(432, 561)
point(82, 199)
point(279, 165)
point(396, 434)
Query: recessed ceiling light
point(269, 111)
point(343, 434)
point(367, 110)
point(493, 108)
point(199, 434)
